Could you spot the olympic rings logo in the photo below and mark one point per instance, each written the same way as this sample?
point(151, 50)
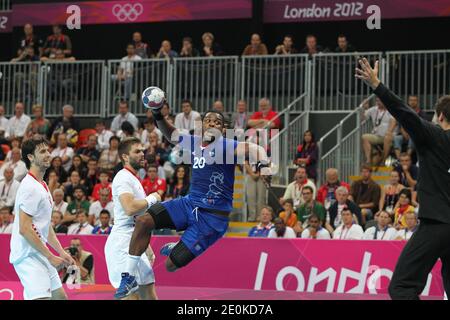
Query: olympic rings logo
point(128, 11)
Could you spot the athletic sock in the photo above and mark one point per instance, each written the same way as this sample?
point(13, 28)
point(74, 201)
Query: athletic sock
point(132, 263)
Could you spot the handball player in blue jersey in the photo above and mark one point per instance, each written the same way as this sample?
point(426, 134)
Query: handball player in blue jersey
point(203, 213)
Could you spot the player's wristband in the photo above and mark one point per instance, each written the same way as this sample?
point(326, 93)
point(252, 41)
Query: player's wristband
point(151, 200)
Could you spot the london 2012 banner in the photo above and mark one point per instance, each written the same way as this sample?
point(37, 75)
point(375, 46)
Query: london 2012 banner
point(276, 11)
point(112, 12)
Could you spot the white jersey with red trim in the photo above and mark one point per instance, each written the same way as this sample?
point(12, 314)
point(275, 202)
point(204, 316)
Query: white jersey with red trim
point(34, 199)
point(125, 182)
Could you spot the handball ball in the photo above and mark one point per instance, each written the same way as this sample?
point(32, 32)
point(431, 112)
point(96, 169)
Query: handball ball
point(153, 98)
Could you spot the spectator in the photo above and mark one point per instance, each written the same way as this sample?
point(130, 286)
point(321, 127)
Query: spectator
point(26, 55)
point(56, 166)
point(265, 223)
point(255, 190)
point(58, 201)
point(390, 193)
point(6, 220)
point(29, 39)
point(218, 106)
point(150, 128)
point(57, 40)
point(39, 125)
point(404, 206)
point(311, 45)
point(73, 183)
point(383, 131)
point(343, 45)
point(57, 225)
point(166, 51)
point(287, 47)
point(126, 70)
point(366, 194)
point(91, 176)
point(179, 186)
point(288, 215)
point(348, 230)
point(110, 158)
point(294, 189)
point(188, 50)
point(265, 118)
point(308, 208)
point(103, 203)
point(127, 130)
point(90, 151)
point(8, 188)
point(104, 227)
point(315, 229)
point(79, 166)
point(17, 124)
point(152, 183)
point(326, 193)
point(281, 230)
point(408, 171)
point(16, 163)
point(15, 143)
point(240, 117)
point(59, 55)
point(256, 47)
point(185, 120)
point(382, 230)
point(84, 260)
point(402, 136)
point(53, 181)
point(103, 135)
point(63, 123)
point(411, 227)
point(142, 49)
point(82, 225)
point(3, 119)
point(334, 215)
point(307, 154)
point(104, 183)
point(64, 152)
point(210, 48)
point(124, 116)
point(78, 203)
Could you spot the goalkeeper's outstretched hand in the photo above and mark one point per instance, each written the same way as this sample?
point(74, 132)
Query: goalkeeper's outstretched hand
point(368, 74)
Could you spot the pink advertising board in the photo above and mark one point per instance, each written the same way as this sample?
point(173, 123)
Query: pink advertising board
point(101, 12)
point(333, 266)
point(276, 11)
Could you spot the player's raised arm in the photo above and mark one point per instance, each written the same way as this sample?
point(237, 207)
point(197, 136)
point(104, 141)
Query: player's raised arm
point(165, 126)
point(416, 127)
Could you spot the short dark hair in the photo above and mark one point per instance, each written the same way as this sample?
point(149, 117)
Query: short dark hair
point(104, 171)
point(189, 39)
point(341, 35)
point(125, 146)
point(104, 211)
point(82, 211)
point(216, 112)
point(127, 127)
point(406, 192)
point(78, 188)
point(290, 201)
point(187, 101)
point(366, 167)
point(443, 107)
point(131, 44)
point(114, 138)
point(315, 215)
point(100, 121)
point(308, 188)
point(123, 102)
point(29, 147)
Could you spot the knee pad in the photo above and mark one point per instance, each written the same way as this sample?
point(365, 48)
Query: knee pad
point(161, 217)
point(181, 255)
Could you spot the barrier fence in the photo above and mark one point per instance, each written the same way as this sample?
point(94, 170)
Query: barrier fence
point(327, 79)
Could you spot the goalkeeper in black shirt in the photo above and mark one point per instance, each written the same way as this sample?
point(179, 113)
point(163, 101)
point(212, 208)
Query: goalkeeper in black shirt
point(431, 241)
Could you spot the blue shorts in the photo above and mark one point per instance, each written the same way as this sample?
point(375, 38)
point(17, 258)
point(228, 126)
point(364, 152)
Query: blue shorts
point(201, 228)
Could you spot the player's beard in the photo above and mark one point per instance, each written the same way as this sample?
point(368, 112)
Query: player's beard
point(136, 165)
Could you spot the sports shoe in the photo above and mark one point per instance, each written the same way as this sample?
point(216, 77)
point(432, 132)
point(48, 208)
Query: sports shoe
point(167, 248)
point(128, 285)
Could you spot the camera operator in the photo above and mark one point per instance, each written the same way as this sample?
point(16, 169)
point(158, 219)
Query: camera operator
point(84, 260)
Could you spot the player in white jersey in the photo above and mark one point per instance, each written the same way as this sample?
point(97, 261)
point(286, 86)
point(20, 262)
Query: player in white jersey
point(33, 261)
point(130, 202)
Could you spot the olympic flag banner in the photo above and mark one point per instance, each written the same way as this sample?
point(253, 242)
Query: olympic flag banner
point(296, 265)
point(102, 12)
point(276, 11)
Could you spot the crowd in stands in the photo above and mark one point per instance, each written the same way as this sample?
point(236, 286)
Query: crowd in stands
point(58, 46)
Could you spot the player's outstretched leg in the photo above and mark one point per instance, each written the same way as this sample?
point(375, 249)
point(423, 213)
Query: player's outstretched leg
point(178, 255)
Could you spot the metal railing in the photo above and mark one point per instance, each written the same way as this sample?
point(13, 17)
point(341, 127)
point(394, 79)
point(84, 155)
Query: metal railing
point(126, 80)
point(334, 86)
point(19, 82)
point(5, 5)
point(78, 83)
point(279, 78)
point(422, 73)
point(284, 144)
point(202, 81)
